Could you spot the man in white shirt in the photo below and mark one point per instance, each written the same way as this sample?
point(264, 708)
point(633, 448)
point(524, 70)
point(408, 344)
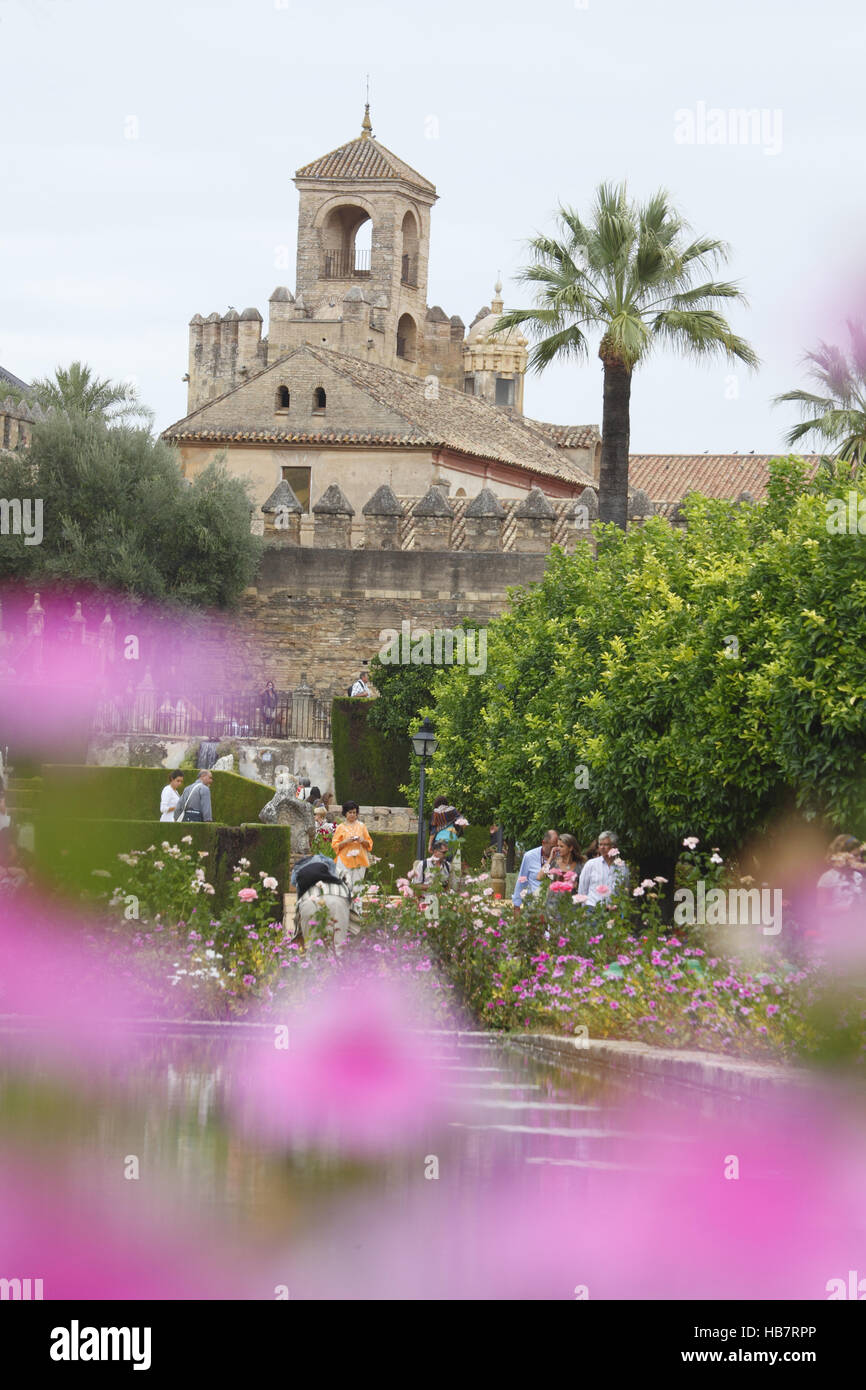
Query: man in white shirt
point(600, 877)
point(361, 688)
point(529, 878)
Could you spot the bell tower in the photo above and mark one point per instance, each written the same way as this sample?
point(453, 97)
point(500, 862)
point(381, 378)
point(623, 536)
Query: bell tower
point(364, 230)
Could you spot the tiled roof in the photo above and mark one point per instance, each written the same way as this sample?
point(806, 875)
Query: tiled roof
point(668, 477)
point(568, 436)
point(363, 158)
point(12, 380)
point(452, 420)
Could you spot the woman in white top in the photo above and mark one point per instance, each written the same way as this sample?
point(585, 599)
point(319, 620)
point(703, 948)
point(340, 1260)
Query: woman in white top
point(170, 796)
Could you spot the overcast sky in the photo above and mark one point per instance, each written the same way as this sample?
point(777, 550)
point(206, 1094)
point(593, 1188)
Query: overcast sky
point(148, 153)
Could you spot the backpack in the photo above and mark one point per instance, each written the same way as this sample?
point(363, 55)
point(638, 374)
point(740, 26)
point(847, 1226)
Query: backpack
point(351, 688)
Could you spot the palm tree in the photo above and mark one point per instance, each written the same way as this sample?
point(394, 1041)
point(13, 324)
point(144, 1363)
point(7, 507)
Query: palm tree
point(76, 391)
point(837, 416)
point(631, 274)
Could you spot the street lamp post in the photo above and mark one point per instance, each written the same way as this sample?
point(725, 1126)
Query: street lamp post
point(424, 744)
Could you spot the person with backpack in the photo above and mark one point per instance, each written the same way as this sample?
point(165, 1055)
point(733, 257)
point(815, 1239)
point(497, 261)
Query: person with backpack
point(320, 883)
point(194, 804)
point(360, 689)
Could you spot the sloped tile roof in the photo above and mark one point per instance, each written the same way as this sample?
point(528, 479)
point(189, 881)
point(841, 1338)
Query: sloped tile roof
point(12, 380)
point(452, 420)
point(568, 436)
point(363, 158)
point(668, 477)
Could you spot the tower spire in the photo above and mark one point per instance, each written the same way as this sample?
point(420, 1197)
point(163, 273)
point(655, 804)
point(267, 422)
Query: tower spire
point(366, 127)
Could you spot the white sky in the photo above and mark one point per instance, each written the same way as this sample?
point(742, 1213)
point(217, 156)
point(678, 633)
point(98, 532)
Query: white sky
point(109, 244)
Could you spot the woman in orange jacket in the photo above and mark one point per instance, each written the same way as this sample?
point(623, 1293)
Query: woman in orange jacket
point(351, 844)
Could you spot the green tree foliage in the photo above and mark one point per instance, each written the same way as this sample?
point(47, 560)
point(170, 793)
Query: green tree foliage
point(705, 678)
point(74, 390)
point(836, 413)
point(403, 692)
point(633, 276)
point(118, 514)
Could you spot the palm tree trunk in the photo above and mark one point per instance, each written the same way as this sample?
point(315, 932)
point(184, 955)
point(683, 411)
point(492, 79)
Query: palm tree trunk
point(615, 431)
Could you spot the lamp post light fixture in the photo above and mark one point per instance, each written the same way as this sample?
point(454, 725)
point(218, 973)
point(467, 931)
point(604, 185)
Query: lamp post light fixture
point(424, 744)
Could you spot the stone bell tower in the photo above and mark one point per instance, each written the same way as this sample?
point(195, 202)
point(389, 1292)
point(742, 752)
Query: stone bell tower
point(360, 191)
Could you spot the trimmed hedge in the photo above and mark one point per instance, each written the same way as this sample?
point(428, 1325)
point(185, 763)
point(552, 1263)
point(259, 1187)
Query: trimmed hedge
point(368, 767)
point(68, 851)
point(132, 794)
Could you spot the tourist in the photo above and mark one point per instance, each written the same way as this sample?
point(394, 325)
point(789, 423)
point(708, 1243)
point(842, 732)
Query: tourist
point(319, 884)
point(435, 871)
point(195, 804)
point(5, 818)
point(841, 886)
point(534, 860)
point(351, 843)
point(604, 874)
point(170, 796)
point(565, 860)
point(361, 688)
point(448, 826)
point(268, 701)
point(562, 870)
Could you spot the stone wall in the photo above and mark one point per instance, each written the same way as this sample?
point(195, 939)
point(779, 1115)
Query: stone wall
point(321, 612)
point(256, 759)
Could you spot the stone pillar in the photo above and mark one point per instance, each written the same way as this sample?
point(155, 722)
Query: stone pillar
point(534, 518)
point(282, 513)
point(382, 517)
point(332, 514)
point(484, 517)
point(497, 873)
point(433, 518)
point(302, 709)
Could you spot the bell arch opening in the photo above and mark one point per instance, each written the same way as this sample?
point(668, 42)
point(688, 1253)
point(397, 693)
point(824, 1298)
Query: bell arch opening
point(347, 241)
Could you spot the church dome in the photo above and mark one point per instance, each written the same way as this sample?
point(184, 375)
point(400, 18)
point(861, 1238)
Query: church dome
point(482, 329)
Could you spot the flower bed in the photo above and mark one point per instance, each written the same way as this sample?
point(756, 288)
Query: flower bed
point(613, 972)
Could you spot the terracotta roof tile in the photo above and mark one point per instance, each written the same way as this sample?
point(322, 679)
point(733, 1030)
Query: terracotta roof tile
point(568, 436)
point(668, 477)
point(363, 158)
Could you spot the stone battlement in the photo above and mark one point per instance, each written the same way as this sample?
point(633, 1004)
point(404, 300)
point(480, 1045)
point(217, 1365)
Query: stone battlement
point(435, 522)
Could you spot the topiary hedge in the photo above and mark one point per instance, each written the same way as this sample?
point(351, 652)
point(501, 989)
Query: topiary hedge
point(369, 767)
point(132, 793)
point(67, 852)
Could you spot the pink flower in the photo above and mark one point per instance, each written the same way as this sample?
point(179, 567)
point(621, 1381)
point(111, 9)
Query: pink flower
point(638, 892)
point(247, 895)
point(602, 890)
point(691, 842)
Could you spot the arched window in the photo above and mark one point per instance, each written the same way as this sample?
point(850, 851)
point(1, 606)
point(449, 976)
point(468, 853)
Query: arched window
point(409, 257)
point(407, 336)
point(283, 398)
point(320, 400)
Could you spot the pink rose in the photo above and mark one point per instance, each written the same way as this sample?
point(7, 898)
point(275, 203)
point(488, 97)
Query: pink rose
point(247, 895)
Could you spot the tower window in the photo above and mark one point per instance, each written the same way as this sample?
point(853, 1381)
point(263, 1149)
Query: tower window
point(469, 385)
point(504, 390)
point(283, 398)
point(320, 400)
point(407, 336)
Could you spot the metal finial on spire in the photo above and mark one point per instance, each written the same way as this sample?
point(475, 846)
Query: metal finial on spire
point(366, 127)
